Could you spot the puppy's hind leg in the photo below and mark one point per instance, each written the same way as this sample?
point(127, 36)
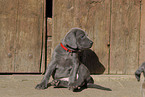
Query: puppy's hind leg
point(59, 83)
point(82, 77)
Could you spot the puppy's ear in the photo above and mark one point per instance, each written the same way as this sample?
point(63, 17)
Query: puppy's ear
point(70, 39)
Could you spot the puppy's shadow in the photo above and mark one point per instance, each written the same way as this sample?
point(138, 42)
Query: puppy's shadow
point(91, 61)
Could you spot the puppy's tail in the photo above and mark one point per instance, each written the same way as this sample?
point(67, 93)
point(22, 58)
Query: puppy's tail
point(90, 85)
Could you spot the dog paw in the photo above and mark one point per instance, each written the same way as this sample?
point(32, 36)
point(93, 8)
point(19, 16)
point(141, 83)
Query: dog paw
point(41, 86)
point(137, 75)
point(72, 87)
point(55, 83)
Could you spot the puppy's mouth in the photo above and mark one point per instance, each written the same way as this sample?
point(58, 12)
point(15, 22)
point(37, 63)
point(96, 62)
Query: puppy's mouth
point(86, 46)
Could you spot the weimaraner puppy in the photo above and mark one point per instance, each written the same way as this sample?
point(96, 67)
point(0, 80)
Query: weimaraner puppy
point(65, 66)
point(138, 72)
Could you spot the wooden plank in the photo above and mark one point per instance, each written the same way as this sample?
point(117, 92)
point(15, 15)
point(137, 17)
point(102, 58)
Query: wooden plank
point(44, 55)
point(93, 17)
point(8, 17)
point(29, 36)
point(124, 36)
point(62, 21)
point(98, 27)
point(142, 34)
point(49, 39)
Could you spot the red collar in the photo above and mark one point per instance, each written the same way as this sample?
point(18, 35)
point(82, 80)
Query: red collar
point(71, 51)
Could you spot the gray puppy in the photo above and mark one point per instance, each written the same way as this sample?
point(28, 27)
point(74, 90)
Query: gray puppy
point(138, 72)
point(65, 67)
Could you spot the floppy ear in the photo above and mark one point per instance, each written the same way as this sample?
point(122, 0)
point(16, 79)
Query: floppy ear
point(70, 39)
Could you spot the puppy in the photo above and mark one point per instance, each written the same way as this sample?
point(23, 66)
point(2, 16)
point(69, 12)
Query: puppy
point(138, 72)
point(65, 67)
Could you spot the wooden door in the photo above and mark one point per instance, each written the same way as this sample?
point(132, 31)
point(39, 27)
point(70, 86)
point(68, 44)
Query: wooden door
point(125, 29)
point(94, 18)
point(142, 34)
point(113, 25)
point(21, 30)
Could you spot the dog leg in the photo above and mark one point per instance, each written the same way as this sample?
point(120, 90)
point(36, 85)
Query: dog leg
point(59, 83)
point(139, 71)
point(44, 82)
point(74, 71)
point(83, 75)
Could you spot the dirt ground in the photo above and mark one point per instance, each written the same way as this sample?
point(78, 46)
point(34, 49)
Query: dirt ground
point(24, 86)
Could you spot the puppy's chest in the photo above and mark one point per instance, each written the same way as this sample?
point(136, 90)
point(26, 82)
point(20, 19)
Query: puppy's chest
point(66, 60)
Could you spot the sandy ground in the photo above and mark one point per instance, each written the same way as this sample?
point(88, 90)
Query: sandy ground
point(24, 86)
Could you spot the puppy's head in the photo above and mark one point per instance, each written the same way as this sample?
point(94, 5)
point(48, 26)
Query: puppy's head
point(76, 38)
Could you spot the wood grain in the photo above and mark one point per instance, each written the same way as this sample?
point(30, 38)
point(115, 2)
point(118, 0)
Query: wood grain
point(21, 29)
point(124, 36)
point(29, 36)
point(8, 28)
point(142, 34)
point(49, 39)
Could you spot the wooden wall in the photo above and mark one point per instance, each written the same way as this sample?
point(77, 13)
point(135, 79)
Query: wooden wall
point(113, 25)
point(142, 34)
point(124, 40)
point(21, 34)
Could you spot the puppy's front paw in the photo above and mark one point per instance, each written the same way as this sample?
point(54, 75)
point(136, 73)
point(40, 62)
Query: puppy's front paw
point(137, 75)
point(41, 86)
